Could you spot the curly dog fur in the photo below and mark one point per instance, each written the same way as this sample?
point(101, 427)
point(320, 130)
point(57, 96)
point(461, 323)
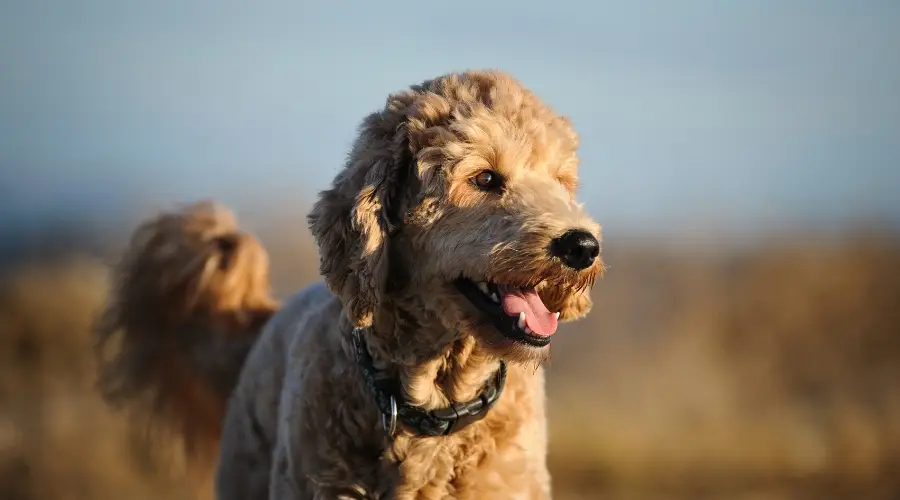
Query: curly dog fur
point(272, 395)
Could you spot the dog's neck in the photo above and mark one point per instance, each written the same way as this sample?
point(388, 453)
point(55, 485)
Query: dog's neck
point(457, 374)
point(434, 366)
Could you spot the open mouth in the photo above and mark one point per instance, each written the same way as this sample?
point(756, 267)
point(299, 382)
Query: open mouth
point(519, 313)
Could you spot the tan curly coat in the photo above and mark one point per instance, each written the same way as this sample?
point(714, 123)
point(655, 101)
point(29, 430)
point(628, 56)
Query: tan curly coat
point(400, 223)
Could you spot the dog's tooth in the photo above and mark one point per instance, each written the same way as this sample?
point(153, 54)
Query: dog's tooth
point(557, 315)
point(528, 331)
point(483, 287)
point(522, 320)
point(495, 298)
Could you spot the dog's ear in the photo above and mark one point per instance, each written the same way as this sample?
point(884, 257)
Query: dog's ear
point(354, 220)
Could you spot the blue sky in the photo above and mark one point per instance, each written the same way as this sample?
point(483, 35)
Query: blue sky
point(733, 114)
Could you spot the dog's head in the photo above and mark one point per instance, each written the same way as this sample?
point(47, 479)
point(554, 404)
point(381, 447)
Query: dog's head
point(458, 201)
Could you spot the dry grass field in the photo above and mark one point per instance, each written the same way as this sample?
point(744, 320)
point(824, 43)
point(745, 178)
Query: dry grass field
point(770, 372)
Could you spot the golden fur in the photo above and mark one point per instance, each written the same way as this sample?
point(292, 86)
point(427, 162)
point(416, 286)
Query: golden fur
point(399, 224)
point(191, 296)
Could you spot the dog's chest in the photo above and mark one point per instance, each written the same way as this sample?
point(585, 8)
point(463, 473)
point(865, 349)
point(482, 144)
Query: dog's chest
point(501, 456)
point(490, 460)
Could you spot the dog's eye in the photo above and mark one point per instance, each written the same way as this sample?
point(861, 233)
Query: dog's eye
point(487, 180)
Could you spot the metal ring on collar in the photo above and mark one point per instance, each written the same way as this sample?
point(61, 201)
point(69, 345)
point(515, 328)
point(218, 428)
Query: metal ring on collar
point(389, 423)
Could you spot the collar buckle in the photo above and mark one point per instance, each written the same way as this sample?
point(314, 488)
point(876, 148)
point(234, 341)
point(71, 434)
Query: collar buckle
point(389, 421)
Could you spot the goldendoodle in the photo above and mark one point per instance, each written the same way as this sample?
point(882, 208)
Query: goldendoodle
point(451, 245)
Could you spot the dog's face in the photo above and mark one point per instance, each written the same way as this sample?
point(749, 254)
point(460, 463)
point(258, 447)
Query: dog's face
point(459, 198)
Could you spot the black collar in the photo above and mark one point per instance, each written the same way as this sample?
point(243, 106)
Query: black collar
point(441, 422)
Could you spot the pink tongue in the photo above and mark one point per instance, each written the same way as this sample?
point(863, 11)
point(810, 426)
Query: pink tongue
point(516, 300)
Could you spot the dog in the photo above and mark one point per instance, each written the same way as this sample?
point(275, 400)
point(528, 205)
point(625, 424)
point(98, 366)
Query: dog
point(451, 245)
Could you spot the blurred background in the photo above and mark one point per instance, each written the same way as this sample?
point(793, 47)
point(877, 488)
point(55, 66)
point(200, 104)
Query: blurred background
point(744, 159)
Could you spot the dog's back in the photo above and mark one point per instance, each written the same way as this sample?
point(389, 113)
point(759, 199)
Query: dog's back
point(250, 430)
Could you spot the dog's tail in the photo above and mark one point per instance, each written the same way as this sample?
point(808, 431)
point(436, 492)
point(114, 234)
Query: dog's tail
point(189, 298)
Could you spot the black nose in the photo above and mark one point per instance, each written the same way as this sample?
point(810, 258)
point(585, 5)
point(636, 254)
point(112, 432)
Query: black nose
point(577, 249)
